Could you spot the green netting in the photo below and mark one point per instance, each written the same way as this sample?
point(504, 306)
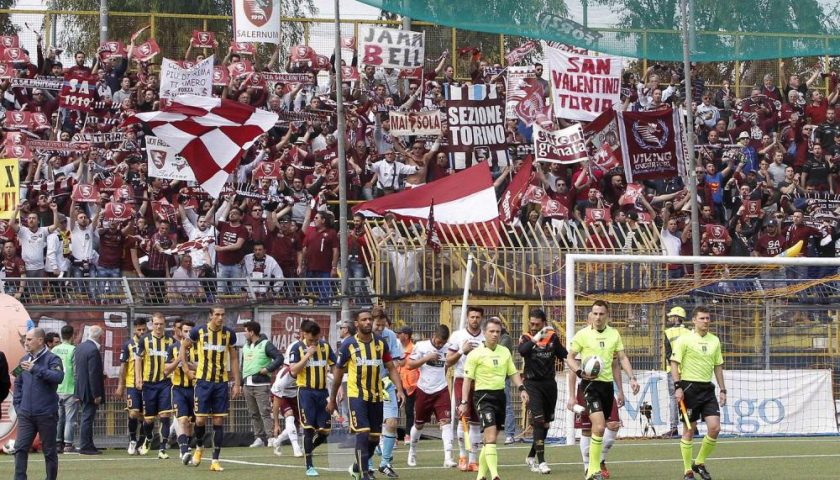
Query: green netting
point(725, 30)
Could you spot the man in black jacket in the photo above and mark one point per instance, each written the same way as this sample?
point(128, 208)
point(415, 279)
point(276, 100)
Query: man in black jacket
point(90, 387)
point(5, 383)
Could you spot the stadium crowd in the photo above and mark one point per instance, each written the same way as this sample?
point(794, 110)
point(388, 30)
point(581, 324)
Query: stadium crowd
point(768, 170)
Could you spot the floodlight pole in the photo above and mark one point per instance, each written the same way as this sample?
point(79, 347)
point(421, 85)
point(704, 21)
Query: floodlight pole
point(342, 172)
point(687, 27)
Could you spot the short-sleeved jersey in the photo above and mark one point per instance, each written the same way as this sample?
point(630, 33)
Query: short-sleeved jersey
point(698, 356)
point(605, 344)
point(364, 362)
point(540, 357)
point(154, 353)
point(212, 346)
point(432, 375)
point(314, 374)
point(179, 376)
point(285, 384)
point(394, 346)
point(128, 353)
point(456, 340)
point(489, 368)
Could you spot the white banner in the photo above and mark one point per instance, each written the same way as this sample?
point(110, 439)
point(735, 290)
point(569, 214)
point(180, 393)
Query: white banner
point(175, 80)
point(392, 48)
point(559, 146)
point(165, 163)
point(256, 21)
point(415, 123)
point(583, 86)
point(516, 86)
point(759, 402)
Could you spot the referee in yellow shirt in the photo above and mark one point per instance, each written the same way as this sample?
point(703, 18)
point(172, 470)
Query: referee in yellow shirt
point(696, 357)
point(488, 366)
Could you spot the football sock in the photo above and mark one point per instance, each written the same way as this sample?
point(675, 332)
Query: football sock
point(291, 430)
point(446, 436)
point(584, 449)
point(132, 429)
point(183, 443)
point(362, 452)
point(492, 460)
point(218, 437)
point(415, 436)
point(706, 449)
point(307, 445)
point(609, 440)
point(685, 450)
point(475, 441)
point(482, 464)
point(200, 432)
point(164, 428)
point(595, 454)
point(539, 442)
point(462, 450)
point(388, 442)
point(319, 439)
point(148, 428)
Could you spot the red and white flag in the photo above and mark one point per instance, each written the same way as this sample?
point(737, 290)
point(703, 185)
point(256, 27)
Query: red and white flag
point(146, 50)
point(203, 39)
point(551, 208)
point(117, 212)
point(511, 200)
point(85, 193)
point(187, 247)
point(465, 203)
point(432, 237)
point(517, 54)
point(212, 134)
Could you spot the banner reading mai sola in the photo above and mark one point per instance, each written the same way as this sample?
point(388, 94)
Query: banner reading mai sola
point(392, 48)
point(583, 86)
point(164, 163)
point(415, 123)
point(256, 21)
point(175, 80)
point(651, 144)
point(476, 133)
point(559, 146)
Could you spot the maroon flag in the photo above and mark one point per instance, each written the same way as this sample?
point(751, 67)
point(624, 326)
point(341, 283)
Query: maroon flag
point(602, 136)
point(15, 55)
point(17, 120)
point(9, 41)
point(21, 152)
point(595, 214)
point(189, 246)
point(221, 76)
point(553, 209)
point(85, 193)
point(146, 50)
point(517, 54)
point(303, 54)
point(112, 49)
point(511, 200)
point(631, 194)
point(110, 184)
point(6, 70)
point(79, 91)
point(322, 62)
point(348, 43)
point(117, 212)
point(269, 170)
point(531, 104)
point(651, 144)
point(240, 68)
point(533, 194)
point(432, 237)
point(243, 48)
point(412, 73)
point(349, 74)
point(203, 39)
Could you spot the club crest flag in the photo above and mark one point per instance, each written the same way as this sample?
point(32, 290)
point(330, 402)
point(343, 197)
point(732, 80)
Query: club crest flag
point(583, 86)
point(559, 146)
point(476, 117)
point(256, 21)
point(392, 48)
point(651, 144)
point(519, 82)
point(203, 39)
point(165, 163)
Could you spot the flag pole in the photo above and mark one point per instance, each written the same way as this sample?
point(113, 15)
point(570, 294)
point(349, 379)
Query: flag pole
point(342, 171)
point(687, 28)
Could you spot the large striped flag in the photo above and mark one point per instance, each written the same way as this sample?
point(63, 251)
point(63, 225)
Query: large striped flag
point(210, 133)
point(476, 117)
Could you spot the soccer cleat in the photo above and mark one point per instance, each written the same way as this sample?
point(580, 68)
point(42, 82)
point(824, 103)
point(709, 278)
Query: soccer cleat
point(186, 457)
point(257, 443)
point(449, 463)
point(353, 475)
point(144, 448)
point(543, 468)
point(407, 439)
point(162, 455)
point(412, 457)
point(388, 471)
point(296, 451)
point(689, 475)
point(132, 447)
point(473, 467)
point(277, 450)
point(532, 463)
point(462, 464)
point(701, 470)
point(595, 476)
point(215, 466)
point(196, 457)
point(604, 472)
point(311, 472)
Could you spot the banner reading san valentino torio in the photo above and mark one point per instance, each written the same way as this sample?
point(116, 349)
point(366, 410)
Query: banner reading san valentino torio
point(392, 48)
point(256, 21)
point(476, 117)
point(583, 86)
point(559, 146)
point(649, 144)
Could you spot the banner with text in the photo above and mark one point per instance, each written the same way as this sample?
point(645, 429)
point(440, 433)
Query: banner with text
point(9, 187)
point(651, 144)
point(256, 21)
point(392, 48)
point(476, 133)
point(583, 86)
point(165, 163)
point(175, 80)
point(415, 123)
point(559, 146)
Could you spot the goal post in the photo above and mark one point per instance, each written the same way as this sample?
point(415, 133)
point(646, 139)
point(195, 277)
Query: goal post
point(778, 320)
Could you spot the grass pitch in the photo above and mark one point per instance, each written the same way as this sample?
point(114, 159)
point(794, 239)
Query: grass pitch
point(741, 459)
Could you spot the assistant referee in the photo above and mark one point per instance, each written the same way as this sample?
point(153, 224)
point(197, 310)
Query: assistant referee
point(488, 366)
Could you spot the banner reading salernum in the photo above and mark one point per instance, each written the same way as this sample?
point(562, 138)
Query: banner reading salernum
point(392, 48)
point(256, 21)
point(175, 80)
point(476, 133)
point(650, 144)
point(9, 187)
point(164, 163)
point(583, 86)
point(559, 146)
point(415, 123)
point(517, 86)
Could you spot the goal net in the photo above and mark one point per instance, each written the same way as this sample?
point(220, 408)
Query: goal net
point(778, 320)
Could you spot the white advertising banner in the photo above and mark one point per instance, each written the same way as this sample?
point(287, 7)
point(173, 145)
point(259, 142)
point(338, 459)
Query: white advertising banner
point(759, 402)
point(165, 163)
point(583, 86)
point(175, 80)
point(256, 21)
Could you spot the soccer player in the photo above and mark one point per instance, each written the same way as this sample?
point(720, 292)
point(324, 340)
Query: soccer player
point(461, 343)
point(152, 366)
point(133, 397)
point(391, 413)
point(311, 358)
point(363, 356)
point(696, 357)
point(486, 368)
point(284, 400)
point(183, 392)
point(540, 348)
point(432, 394)
point(215, 343)
point(598, 338)
point(676, 317)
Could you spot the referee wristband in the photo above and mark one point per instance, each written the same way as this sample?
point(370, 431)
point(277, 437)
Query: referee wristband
point(579, 373)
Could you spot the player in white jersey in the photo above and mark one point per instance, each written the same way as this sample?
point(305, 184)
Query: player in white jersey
point(462, 343)
point(432, 393)
point(284, 400)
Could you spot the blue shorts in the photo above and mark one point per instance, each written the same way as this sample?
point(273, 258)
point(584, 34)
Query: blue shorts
point(182, 401)
point(391, 407)
point(211, 399)
point(157, 398)
point(365, 416)
point(312, 404)
point(133, 399)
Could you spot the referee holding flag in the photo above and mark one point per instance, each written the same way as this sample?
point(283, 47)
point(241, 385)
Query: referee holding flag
point(487, 366)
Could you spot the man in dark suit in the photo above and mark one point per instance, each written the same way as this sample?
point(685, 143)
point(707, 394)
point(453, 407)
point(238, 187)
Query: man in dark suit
point(90, 387)
point(5, 382)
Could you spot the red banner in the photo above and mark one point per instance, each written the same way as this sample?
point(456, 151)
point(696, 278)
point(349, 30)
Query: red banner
point(303, 54)
point(651, 144)
point(349, 74)
point(78, 92)
point(560, 146)
point(85, 193)
point(323, 63)
point(146, 50)
point(21, 152)
point(112, 49)
point(348, 43)
point(117, 212)
point(243, 48)
point(110, 184)
point(6, 70)
point(511, 200)
point(595, 214)
point(9, 41)
point(40, 121)
point(553, 209)
point(15, 55)
point(16, 120)
point(270, 170)
point(203, 39)
point(517, 54)
point(240, 68)
point(221, 76)
point(631, 194)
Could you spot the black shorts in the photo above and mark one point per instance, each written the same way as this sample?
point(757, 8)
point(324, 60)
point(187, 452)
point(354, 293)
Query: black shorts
point(700, 400)
point(490, 405)
point(542, 399)
point(598, 395)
